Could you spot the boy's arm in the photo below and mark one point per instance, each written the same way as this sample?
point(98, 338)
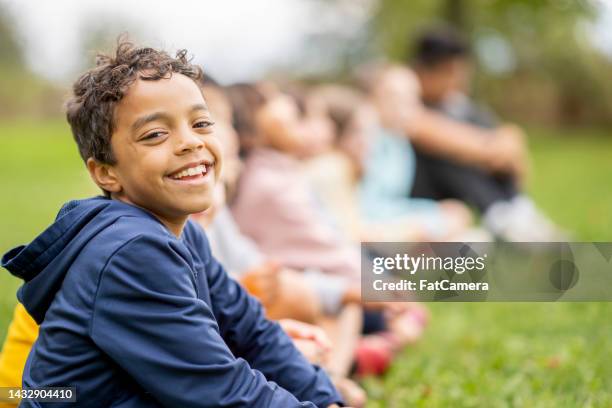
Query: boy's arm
point(148, 320)
point(263, 343)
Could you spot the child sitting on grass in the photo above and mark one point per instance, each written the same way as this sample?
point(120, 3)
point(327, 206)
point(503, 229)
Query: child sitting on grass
point(133, 309)
point(388, 172)
point(364, 177)
point(275, 207)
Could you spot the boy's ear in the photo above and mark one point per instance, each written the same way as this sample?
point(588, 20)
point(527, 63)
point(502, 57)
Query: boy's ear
point(104, 175)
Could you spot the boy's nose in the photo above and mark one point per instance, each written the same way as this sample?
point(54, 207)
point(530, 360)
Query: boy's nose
point(189, 141)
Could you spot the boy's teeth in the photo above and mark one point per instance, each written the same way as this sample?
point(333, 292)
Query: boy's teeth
point(192, 171)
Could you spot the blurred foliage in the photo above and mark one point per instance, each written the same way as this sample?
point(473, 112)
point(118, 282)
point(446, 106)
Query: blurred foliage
point(8, 46)
point(555, 77)
point(25, 94)
point(556, 68)
point(21, 92)
point(104, 29)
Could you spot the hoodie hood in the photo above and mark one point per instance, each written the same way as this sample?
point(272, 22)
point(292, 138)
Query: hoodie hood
point(43, 263)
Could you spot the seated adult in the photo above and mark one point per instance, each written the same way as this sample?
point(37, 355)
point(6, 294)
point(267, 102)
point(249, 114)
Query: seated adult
point(480, 163)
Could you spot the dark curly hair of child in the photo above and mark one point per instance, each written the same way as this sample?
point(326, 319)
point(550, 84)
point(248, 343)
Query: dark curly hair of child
point(91, 108)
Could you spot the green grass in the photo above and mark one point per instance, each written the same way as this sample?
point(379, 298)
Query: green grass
point(40, 169)
point(473, 355)
point(523, 354)
point(570, 180)
point(504, 355)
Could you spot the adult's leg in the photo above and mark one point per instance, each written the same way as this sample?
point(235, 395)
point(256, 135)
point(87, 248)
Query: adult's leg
point(423, 185)
point(506, 213)
point(438, 179)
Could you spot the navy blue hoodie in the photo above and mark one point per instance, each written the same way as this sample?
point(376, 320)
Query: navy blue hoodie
point(133, 316)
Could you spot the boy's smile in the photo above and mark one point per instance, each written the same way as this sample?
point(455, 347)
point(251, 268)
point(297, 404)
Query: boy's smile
point(193, 173)
point(168, 158)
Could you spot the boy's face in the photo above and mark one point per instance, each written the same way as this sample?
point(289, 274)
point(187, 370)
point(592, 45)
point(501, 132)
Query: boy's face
point(167, 156)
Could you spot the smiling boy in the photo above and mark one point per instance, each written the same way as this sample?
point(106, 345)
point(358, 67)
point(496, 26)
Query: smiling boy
point(133, 309)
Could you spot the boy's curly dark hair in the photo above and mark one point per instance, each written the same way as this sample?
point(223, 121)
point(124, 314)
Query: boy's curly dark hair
point(90, 110)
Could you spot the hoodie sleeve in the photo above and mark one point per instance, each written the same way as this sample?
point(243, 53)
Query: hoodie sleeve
point(263, 343)
point(148, 319)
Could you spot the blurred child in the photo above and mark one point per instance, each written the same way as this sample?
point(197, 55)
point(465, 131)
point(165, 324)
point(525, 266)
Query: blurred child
point(287, 227)
point(368, 174)
point(389, 171)
point(274, 205)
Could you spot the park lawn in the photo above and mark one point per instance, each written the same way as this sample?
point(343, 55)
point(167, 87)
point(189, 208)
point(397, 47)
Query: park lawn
point(480, 355)
point(523, 354)
point(40, 169)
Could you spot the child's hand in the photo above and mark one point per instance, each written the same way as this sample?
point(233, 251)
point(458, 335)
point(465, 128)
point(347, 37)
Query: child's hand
point(263, 282)
point(311, 340)
point(305, 331)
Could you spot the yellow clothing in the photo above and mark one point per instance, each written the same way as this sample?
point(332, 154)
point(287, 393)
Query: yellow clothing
point(22, 334)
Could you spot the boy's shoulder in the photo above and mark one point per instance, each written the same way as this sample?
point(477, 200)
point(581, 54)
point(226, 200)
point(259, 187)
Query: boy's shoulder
point(88, 233)
point(111, 221)
point(135, 224)
point(127, 223)
point(102, 227)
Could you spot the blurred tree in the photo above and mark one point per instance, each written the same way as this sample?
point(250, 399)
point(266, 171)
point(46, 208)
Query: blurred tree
point(9, 50)
point(103, 32)
point(455, 12)
point(550, 53)
point(21, 92)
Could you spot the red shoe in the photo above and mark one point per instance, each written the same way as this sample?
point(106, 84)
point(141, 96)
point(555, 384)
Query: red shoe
point(373, 356)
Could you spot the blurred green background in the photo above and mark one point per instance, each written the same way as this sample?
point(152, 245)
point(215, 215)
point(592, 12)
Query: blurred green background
point(552, 80)
point(541, 51)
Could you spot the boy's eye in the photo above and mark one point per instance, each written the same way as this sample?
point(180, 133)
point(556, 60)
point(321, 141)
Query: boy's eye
point(153, 135)
point(203, 124)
